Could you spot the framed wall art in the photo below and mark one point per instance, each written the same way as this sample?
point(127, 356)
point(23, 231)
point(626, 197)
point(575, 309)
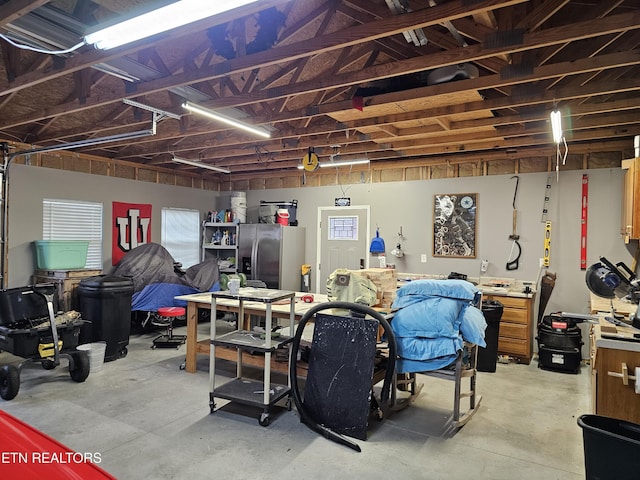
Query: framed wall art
point(454, 225)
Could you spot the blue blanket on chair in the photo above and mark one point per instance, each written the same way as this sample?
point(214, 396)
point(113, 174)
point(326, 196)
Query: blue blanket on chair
point(433, 320)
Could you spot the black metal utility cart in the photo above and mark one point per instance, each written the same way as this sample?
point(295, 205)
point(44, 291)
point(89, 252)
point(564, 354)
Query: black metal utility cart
point(30, 329)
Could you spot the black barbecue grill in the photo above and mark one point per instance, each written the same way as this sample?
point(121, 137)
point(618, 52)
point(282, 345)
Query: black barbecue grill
point(26, 330)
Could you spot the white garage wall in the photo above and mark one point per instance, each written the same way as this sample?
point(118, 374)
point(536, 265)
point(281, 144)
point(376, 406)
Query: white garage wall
point(410, 205)
point(29, 185)
point(393, 205)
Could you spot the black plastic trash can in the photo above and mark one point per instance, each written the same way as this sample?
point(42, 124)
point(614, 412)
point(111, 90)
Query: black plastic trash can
point(488, 356)
point(611, 448)
point(105, 301)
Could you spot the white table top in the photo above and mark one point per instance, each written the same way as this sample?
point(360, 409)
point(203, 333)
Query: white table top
point(264, 295)
point(230, 300)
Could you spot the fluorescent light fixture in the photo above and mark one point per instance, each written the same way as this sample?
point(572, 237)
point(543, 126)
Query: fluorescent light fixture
point(157, 21)
point(340, 163)
point(226, 120)
point(344, 163)
point(556, 125)
point(200, 165)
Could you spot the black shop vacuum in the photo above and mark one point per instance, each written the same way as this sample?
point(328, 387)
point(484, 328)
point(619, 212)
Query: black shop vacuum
point(560, 342)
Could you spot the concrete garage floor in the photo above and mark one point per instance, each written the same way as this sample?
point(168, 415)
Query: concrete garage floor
point(150, 420)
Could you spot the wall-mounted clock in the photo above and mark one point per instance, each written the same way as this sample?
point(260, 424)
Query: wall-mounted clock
point(310, 162)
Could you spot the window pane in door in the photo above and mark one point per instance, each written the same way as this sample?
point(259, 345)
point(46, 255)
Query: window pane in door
point(343, 228)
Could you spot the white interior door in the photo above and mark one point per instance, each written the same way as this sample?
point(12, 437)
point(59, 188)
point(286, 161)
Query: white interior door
point(343, 241)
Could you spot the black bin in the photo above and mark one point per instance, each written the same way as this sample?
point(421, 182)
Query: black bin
point(611, 448)
point(105, 301)
point(488, 356)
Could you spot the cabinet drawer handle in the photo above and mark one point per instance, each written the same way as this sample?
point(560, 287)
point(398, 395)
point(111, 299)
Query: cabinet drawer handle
point(624, 375)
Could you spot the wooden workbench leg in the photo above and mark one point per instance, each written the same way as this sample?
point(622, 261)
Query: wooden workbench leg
point(192, 337)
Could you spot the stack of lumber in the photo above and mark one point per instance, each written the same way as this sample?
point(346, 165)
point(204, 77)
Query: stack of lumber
point(385, 280)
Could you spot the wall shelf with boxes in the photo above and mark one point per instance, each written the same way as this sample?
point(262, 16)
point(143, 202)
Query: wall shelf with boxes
point(220, 240)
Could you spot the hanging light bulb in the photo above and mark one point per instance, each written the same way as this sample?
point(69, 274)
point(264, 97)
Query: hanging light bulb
point(558, 138)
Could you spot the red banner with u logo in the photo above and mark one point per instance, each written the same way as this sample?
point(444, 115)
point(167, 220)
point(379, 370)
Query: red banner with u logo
point(131, 227)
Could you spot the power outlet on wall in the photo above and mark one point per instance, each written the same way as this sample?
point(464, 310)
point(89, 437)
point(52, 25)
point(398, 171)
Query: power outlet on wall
point(423, 258)
point(484, 265)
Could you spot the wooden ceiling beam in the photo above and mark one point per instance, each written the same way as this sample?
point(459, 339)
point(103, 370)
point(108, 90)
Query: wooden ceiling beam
point(91, 56)
point(13, 10)
point(329, 126)
point(490, 81)
point(600, 10)
point(376, 72)
point(323, 43)
point(553, 35)
point(525, 147)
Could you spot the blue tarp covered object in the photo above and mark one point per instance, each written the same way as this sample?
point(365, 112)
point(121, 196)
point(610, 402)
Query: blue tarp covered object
point(157, 279)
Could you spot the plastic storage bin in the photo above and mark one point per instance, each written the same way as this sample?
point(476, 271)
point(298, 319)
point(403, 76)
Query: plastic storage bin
point(105, 301)
point(611, 448)
point(488, 356)
point(61, 254)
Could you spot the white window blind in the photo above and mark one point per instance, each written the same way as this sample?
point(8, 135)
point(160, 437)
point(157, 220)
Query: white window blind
point(181, 235)
point(73, 220)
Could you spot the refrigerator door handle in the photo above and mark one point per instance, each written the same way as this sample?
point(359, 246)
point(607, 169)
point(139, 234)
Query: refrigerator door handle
point(254, 260)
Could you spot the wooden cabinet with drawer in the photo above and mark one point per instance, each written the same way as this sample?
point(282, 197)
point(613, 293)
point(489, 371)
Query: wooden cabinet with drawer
point(515, 337)
point(66, 282)
point(631, 200)
point(613, 364)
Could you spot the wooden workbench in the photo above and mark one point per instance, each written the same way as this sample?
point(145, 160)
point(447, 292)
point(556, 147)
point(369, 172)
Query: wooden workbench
point(603, 305)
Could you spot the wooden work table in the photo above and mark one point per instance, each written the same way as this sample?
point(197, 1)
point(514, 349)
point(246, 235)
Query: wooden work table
point(203, 300)
point(613, 371)
point(604, 305)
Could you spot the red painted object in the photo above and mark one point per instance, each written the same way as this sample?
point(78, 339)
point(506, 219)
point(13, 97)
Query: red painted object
point(171, 311)
point(28, 453)
point(583, 222)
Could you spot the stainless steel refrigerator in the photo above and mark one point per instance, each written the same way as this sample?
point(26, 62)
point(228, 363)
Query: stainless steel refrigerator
point(272, 253)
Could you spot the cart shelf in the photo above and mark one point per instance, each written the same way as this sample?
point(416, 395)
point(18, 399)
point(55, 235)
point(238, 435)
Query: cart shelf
point(250, 392)
point(248, 340)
